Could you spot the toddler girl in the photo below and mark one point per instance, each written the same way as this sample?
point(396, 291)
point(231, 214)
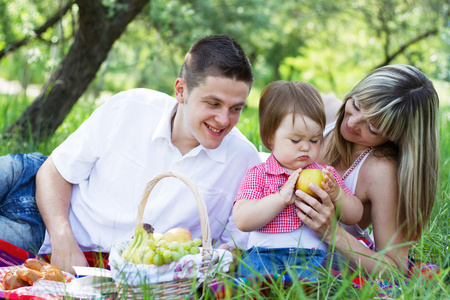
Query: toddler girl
point(292, 121)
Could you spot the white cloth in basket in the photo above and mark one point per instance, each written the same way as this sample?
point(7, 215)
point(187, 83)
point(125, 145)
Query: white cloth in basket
point(133, 274)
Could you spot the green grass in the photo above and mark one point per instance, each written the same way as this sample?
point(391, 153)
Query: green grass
point(433, 247)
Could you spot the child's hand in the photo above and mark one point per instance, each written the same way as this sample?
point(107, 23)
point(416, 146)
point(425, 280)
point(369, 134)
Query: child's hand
point(330, 186)
point(288, 189)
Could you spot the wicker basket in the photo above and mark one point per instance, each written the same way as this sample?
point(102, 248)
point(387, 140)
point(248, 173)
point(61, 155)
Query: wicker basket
point(177, 289)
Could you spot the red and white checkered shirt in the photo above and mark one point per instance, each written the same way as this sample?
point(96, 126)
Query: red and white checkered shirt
point(268, 178)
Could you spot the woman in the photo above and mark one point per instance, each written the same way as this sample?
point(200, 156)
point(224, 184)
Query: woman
point(385, 146)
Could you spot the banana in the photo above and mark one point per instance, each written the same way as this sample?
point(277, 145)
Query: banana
point(140, 244)
point(127, 253)
point(140, 249)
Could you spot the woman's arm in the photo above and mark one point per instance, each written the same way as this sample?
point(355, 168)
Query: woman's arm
point(250, 215)
point(349, 208)
point(53, 195)
point(378, 180)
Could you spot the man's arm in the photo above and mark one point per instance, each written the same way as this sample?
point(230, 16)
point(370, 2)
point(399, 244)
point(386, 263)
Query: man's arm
point(53, 195)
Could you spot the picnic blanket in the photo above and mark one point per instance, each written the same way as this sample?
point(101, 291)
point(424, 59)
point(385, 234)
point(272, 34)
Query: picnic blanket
point(13, 257)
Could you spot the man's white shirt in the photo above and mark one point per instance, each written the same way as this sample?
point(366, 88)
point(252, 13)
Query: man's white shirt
point(111, 157)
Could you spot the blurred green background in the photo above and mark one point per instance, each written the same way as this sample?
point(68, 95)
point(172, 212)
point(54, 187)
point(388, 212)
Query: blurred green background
point(331, 44)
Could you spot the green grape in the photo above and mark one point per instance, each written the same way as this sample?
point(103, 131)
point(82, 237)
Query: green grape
point(151, 244)
point(148, 257)
point(197, 242)
point(194, 250)
point(158, 260)
point(187, 245)
point(162, 244)
point(174, 246)
point(167, 254)
point(167, 260)
point(182, 251)
point(176, 256)
point(160, 250)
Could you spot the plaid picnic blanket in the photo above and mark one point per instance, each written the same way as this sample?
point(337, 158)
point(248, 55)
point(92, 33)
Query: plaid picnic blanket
point(13, 257)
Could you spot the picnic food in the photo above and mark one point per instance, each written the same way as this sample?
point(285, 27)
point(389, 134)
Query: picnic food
point(308, 176)
point(33, 270)
point(164, 249)
point(12, 281)
point(180, 235)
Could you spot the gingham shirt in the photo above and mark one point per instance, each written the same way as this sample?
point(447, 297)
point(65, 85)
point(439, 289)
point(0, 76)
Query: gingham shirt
point(268, 178)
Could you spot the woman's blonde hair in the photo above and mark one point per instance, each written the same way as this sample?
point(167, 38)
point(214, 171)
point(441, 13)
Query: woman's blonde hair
point(280, 98)
point(401, 102)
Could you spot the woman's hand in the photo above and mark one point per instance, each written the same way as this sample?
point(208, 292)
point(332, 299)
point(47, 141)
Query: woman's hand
point(319, 217)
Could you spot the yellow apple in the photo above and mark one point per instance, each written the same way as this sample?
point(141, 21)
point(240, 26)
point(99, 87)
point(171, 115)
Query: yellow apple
point(180, 235)
point(308, 176)
point(157, 236)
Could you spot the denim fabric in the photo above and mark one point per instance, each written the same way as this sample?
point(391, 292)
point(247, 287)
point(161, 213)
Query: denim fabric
point(20, 221)
point(305, 262)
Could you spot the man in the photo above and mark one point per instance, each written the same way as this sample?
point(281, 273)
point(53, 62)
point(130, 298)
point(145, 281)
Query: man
point(89, 189)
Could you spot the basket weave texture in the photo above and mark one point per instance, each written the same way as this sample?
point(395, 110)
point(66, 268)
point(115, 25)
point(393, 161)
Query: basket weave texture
point(176, 289)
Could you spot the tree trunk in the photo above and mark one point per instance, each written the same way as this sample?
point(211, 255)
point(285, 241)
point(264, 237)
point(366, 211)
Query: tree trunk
point(95, 37)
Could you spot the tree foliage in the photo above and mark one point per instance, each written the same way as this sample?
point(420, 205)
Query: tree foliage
point(98, 27)
point(62, 44)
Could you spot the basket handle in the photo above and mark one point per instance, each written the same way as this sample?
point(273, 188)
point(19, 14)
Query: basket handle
point(204, 219)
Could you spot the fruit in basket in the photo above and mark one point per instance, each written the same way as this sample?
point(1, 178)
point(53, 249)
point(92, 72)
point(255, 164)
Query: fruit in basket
point(149, 247)
point(158, 260)
point(174, 246)
point(141, 243)
point(177, 234)
point(187, 245)
point(194, 250)
point(148, 257)
point(157, 236)
point(176, 255)
point(308, 176)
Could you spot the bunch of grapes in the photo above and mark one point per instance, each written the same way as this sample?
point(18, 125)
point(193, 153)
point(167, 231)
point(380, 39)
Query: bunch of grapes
point(163, 252)
point(147, 248)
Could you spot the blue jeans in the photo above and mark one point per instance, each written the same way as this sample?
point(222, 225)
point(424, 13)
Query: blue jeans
point(305, 262)
point(20, 221)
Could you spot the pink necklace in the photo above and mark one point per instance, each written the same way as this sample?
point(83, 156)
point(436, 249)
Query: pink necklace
point(356, 162)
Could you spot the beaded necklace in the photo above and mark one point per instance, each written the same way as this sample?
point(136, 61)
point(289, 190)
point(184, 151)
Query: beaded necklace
point(356, 162)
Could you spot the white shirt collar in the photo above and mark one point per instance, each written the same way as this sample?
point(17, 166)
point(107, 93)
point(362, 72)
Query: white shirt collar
point(163, 131)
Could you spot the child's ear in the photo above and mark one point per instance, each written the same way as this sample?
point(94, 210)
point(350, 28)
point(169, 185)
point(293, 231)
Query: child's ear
point(180, 90)
point(270, 141)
